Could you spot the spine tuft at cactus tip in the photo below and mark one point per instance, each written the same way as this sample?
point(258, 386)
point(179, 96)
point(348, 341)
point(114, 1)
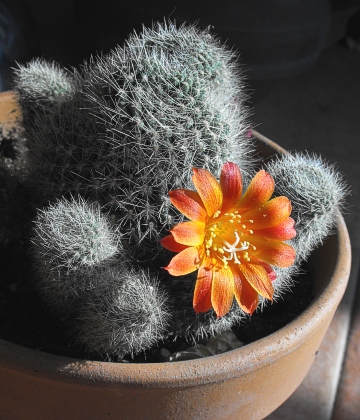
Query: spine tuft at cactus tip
point(41, 84)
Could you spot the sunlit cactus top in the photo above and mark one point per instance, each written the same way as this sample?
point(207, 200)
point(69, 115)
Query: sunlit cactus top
point(232, 239)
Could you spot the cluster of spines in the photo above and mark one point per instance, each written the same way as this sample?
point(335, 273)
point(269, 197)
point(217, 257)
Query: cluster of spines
point(39, 86)
point(317, 192)
point(72, 241)
point(127, 314)
point(171, 101)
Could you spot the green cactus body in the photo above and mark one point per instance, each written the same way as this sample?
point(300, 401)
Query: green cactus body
point(72, 242)
point(39, 86)
point(170, 100)
point(127, 314)
point(317, 192)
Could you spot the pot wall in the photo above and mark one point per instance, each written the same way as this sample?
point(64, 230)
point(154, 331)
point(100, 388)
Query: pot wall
point(234, 391)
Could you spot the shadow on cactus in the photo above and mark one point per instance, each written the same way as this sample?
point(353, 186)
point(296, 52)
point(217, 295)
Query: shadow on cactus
point(115, 151)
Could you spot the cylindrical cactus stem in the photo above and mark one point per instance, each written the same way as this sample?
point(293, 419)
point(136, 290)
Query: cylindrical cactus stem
point(171, 99)
point(72, 240)
point(316, 191)
point(127, 314)
point(41, 85)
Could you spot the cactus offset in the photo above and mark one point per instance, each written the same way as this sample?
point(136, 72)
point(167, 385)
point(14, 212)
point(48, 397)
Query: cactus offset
point(72, 241)
point(127, 314)
point(317, 192)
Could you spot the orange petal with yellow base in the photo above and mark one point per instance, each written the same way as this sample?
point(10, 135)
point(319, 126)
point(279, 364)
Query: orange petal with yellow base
point(184, 262)
point(222, 293)
point(208, 189)
point(258, 278)
point(282, 232)
point(268, 268)
point(231, 185)
point(246, 297)
point(270, 214)
point(168, 242)
point(202, 292)
point(275, 253)
point(189, 233)
point(259, 190)
point(189, 203)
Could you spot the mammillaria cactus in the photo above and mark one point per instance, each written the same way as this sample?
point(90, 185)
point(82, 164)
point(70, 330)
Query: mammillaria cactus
point(106, 146)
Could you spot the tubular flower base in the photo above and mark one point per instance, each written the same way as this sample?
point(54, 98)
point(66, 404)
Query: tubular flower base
point(232, 239)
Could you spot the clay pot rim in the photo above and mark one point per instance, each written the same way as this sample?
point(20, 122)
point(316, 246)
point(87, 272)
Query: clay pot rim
point(199, 371)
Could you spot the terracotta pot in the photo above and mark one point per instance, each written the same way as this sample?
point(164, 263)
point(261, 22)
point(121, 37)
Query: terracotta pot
point(247, 383)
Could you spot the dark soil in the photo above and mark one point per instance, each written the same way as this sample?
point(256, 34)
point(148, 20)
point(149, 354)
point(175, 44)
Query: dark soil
point(278, 314)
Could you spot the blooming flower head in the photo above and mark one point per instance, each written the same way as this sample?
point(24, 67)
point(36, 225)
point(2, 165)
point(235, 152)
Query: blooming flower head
point(233, 239)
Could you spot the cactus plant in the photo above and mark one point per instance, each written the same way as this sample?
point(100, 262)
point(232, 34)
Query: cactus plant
point(106, 145)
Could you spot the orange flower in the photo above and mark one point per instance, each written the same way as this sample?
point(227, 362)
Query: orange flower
point(232, 239)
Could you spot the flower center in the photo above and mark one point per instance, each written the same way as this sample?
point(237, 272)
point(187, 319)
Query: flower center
point(227, 237)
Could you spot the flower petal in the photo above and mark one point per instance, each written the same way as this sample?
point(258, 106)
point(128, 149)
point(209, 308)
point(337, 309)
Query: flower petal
point(189, 233)
point(275, 253)
point(202, 292)
point(208, 189)
point(222, 293)
point(231, 185)
point(258, 278)
point(184, 262)
point(282, 232)
point(268, 268)
point(168, 242)
point(189, 203)
point(259, 190)
point(246, 296)
point(270, 214)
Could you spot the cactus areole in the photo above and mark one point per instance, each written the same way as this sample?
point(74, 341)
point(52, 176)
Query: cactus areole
point(232, 239)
